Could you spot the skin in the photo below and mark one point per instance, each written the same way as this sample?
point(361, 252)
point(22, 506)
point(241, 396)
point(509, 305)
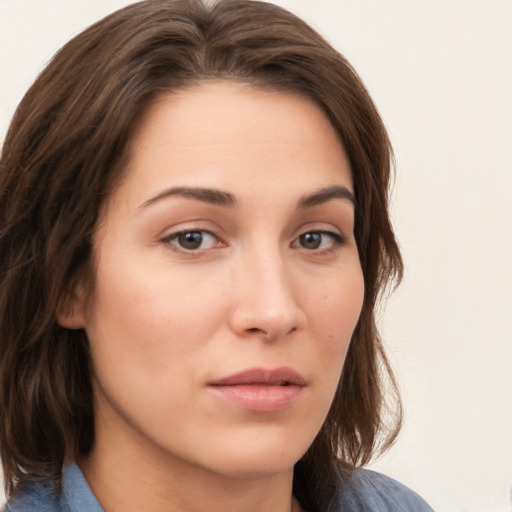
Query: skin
point(165, 320)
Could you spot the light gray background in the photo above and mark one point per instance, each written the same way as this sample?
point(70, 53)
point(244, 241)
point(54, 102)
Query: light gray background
point(440, 71)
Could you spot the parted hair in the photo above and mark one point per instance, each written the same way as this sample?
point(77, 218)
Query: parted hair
point(65, 151)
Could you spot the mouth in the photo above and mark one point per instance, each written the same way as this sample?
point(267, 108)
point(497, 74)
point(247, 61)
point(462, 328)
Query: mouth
point(260, 390)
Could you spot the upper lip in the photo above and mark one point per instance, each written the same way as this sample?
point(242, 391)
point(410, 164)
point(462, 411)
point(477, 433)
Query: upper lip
point(270, 377)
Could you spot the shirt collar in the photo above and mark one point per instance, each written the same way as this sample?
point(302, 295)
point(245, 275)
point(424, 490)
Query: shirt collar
point(76, 492)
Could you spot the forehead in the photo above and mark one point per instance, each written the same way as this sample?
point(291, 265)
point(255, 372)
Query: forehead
point(225, 134)
point(229, 104)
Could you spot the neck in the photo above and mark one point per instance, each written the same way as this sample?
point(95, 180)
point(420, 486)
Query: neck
point(184, 491)
point(132, 483)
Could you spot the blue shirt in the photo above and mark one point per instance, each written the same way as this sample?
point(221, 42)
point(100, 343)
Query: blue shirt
point(367, 492)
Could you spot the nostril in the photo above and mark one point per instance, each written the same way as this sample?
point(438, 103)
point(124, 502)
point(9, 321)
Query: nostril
point(261, 332)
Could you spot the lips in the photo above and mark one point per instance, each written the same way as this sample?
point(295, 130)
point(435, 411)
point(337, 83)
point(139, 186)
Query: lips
point(278, 377)
point(260, 390)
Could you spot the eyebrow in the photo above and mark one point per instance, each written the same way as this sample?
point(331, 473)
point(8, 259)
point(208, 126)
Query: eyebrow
point(326, 194)
point(220, 198)
point(206, 195)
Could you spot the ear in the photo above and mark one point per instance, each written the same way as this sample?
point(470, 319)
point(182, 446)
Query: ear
point(71, 309)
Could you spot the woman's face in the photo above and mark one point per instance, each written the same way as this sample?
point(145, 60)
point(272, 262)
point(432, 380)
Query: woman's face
point(228, 284)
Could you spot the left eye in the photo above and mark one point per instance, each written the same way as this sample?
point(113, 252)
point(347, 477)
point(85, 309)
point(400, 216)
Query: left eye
point(318, 240)
point(193, 240)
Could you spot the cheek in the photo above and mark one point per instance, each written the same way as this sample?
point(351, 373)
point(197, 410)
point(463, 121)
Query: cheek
point(336, 312)
point(333, 316)
point(146, 338)
point(150, 316)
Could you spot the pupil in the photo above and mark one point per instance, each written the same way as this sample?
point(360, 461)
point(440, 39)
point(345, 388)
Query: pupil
point(311, 240)
point(191, 240)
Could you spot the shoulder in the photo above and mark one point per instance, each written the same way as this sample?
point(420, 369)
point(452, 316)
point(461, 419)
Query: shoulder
point(368, 491)
point(35, 497)
point(74, 496)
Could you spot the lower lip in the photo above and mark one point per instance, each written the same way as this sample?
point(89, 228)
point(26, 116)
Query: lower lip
point(259, 398)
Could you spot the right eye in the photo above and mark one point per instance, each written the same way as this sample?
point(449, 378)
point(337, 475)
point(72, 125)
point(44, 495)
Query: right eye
point(193, 240)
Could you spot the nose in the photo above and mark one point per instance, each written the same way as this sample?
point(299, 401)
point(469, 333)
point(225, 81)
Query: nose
point(266, 302)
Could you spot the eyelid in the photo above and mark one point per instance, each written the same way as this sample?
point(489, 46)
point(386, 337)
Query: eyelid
point(330, 226)
point(199, 224)
point(338, 240)
point(170, 237)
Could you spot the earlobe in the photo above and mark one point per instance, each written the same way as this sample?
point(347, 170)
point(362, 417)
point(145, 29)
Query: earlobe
point(71, 310)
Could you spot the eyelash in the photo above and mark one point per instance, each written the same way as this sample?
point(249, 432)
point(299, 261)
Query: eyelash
point(176, 237)
point(338, 240)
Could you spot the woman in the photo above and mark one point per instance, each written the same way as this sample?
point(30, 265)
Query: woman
point(194, 235)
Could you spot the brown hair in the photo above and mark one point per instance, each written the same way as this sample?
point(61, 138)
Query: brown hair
point(66, 148)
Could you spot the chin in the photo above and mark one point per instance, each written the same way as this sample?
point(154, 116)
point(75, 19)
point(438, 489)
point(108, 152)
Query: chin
point(250, 469)
point(259, 460)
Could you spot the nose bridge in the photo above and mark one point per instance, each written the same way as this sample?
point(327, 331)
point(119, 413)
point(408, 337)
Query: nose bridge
point(266, 302)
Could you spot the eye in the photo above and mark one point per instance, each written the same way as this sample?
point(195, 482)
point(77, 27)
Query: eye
point(319, 240)
point(193, 240)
